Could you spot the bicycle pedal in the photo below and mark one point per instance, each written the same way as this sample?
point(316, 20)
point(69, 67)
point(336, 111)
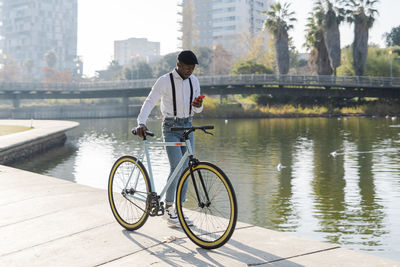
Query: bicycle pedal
point(161, 209)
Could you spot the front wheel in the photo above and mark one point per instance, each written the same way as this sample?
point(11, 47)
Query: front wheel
point(128, 189)
point(206, 205)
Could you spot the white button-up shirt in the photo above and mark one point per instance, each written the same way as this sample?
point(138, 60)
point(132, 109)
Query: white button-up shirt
point(162, 89)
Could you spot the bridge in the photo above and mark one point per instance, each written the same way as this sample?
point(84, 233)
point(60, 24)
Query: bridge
point(273, 84)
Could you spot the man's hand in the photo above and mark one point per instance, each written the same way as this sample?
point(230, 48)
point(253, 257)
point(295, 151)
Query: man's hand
point(141, 130)
point(198, 102)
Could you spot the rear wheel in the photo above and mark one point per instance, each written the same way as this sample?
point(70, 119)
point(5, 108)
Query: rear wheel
point(128, 188)
point(208, 209)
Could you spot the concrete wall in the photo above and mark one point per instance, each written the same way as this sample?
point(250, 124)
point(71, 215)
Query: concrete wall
point(43, 134)
point(36, 146)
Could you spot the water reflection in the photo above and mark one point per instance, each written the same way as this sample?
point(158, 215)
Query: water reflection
point(55, 162)
point(284, 170)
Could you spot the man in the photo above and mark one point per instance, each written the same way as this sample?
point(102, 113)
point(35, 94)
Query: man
point(178, 92)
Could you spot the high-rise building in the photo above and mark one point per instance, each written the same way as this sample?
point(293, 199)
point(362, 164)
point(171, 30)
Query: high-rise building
point(228, 23)
point(134, 50)
point(32, 28)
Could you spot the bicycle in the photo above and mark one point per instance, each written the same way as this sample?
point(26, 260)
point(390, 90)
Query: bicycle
point(207, 212)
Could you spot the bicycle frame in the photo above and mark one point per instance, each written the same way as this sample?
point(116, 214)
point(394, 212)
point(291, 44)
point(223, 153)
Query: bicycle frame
point(145, 153)
point(209, 224)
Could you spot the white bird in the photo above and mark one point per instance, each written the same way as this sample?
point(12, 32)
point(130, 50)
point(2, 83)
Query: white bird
point(280, 167)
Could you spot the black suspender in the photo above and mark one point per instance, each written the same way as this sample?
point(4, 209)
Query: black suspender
point(174, 95)
point(173, 92)
point(191, 97)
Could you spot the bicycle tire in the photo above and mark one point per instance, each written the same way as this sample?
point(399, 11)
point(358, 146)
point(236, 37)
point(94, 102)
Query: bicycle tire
point(209, 226)
point(129, 203)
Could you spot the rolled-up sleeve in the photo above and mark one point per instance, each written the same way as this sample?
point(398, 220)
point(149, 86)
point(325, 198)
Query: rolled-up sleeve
point(152, 99)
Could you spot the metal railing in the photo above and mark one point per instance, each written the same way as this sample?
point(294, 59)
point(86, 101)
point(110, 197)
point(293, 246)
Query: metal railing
point(301, 80)
point(220, 80)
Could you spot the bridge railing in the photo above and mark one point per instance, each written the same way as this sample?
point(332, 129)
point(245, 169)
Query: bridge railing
point(124, 84)
point(220, 80)
point(300, 80)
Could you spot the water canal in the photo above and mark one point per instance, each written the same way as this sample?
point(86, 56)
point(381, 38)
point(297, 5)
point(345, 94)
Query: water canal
point(325, 179)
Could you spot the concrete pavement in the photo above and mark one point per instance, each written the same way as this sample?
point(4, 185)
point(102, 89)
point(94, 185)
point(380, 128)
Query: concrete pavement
point(47, 221)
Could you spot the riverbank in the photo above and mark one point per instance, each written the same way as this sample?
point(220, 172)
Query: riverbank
point(247, 108)
point(42, 135)
point(214, 107)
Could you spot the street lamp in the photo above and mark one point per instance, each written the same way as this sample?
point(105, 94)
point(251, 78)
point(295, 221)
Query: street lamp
point(391, 64)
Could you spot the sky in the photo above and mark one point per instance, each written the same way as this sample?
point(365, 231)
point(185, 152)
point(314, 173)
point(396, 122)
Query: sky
point(101, 22)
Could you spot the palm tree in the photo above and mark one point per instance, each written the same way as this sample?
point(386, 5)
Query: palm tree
point(279, 21)
point(362, 13)
point(315, 42)
point(333, 16)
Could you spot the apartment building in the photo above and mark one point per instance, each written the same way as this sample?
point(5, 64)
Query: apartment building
point(31, 28)
point(127, 52)
point(229, 23)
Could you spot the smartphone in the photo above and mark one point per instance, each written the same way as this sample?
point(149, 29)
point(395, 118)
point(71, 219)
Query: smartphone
point(199, 97)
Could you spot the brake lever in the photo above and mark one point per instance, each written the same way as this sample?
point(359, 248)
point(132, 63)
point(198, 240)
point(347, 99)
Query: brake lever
point(204, 130)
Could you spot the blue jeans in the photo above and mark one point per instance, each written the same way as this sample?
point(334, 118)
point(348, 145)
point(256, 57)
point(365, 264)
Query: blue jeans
point(175, 153)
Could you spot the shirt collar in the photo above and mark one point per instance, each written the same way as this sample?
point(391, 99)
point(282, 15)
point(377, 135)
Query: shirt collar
point(177, 75)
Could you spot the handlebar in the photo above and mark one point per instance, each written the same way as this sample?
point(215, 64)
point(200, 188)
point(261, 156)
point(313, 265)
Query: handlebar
point(187, 130)
point(147, 132)
point(193, 128)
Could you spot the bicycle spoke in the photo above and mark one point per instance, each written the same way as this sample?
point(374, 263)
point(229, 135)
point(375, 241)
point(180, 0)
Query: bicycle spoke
point(214, 220)
point(128, 197)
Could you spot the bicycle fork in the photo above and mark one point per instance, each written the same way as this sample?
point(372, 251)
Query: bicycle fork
point(192, 163)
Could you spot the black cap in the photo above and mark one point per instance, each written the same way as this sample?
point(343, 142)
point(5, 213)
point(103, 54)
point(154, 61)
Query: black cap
point(187, 57)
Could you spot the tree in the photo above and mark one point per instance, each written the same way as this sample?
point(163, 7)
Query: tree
point(362, 13)
point(315, 42)
point(113, 72)
point(204, 56)
point(293, 54)
point(11, 71)
point(221, 61)
point(378, 63)
point(255, 46)
point(346, 68)
point(140, 70)
point(279, 21)
point(393, 37)
point(166, 64)
point(270, 59)
point(188, 26)
point(52, 75)
point(50, 58)
point(333, 16)
point(28, 67)
point(250, 67)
